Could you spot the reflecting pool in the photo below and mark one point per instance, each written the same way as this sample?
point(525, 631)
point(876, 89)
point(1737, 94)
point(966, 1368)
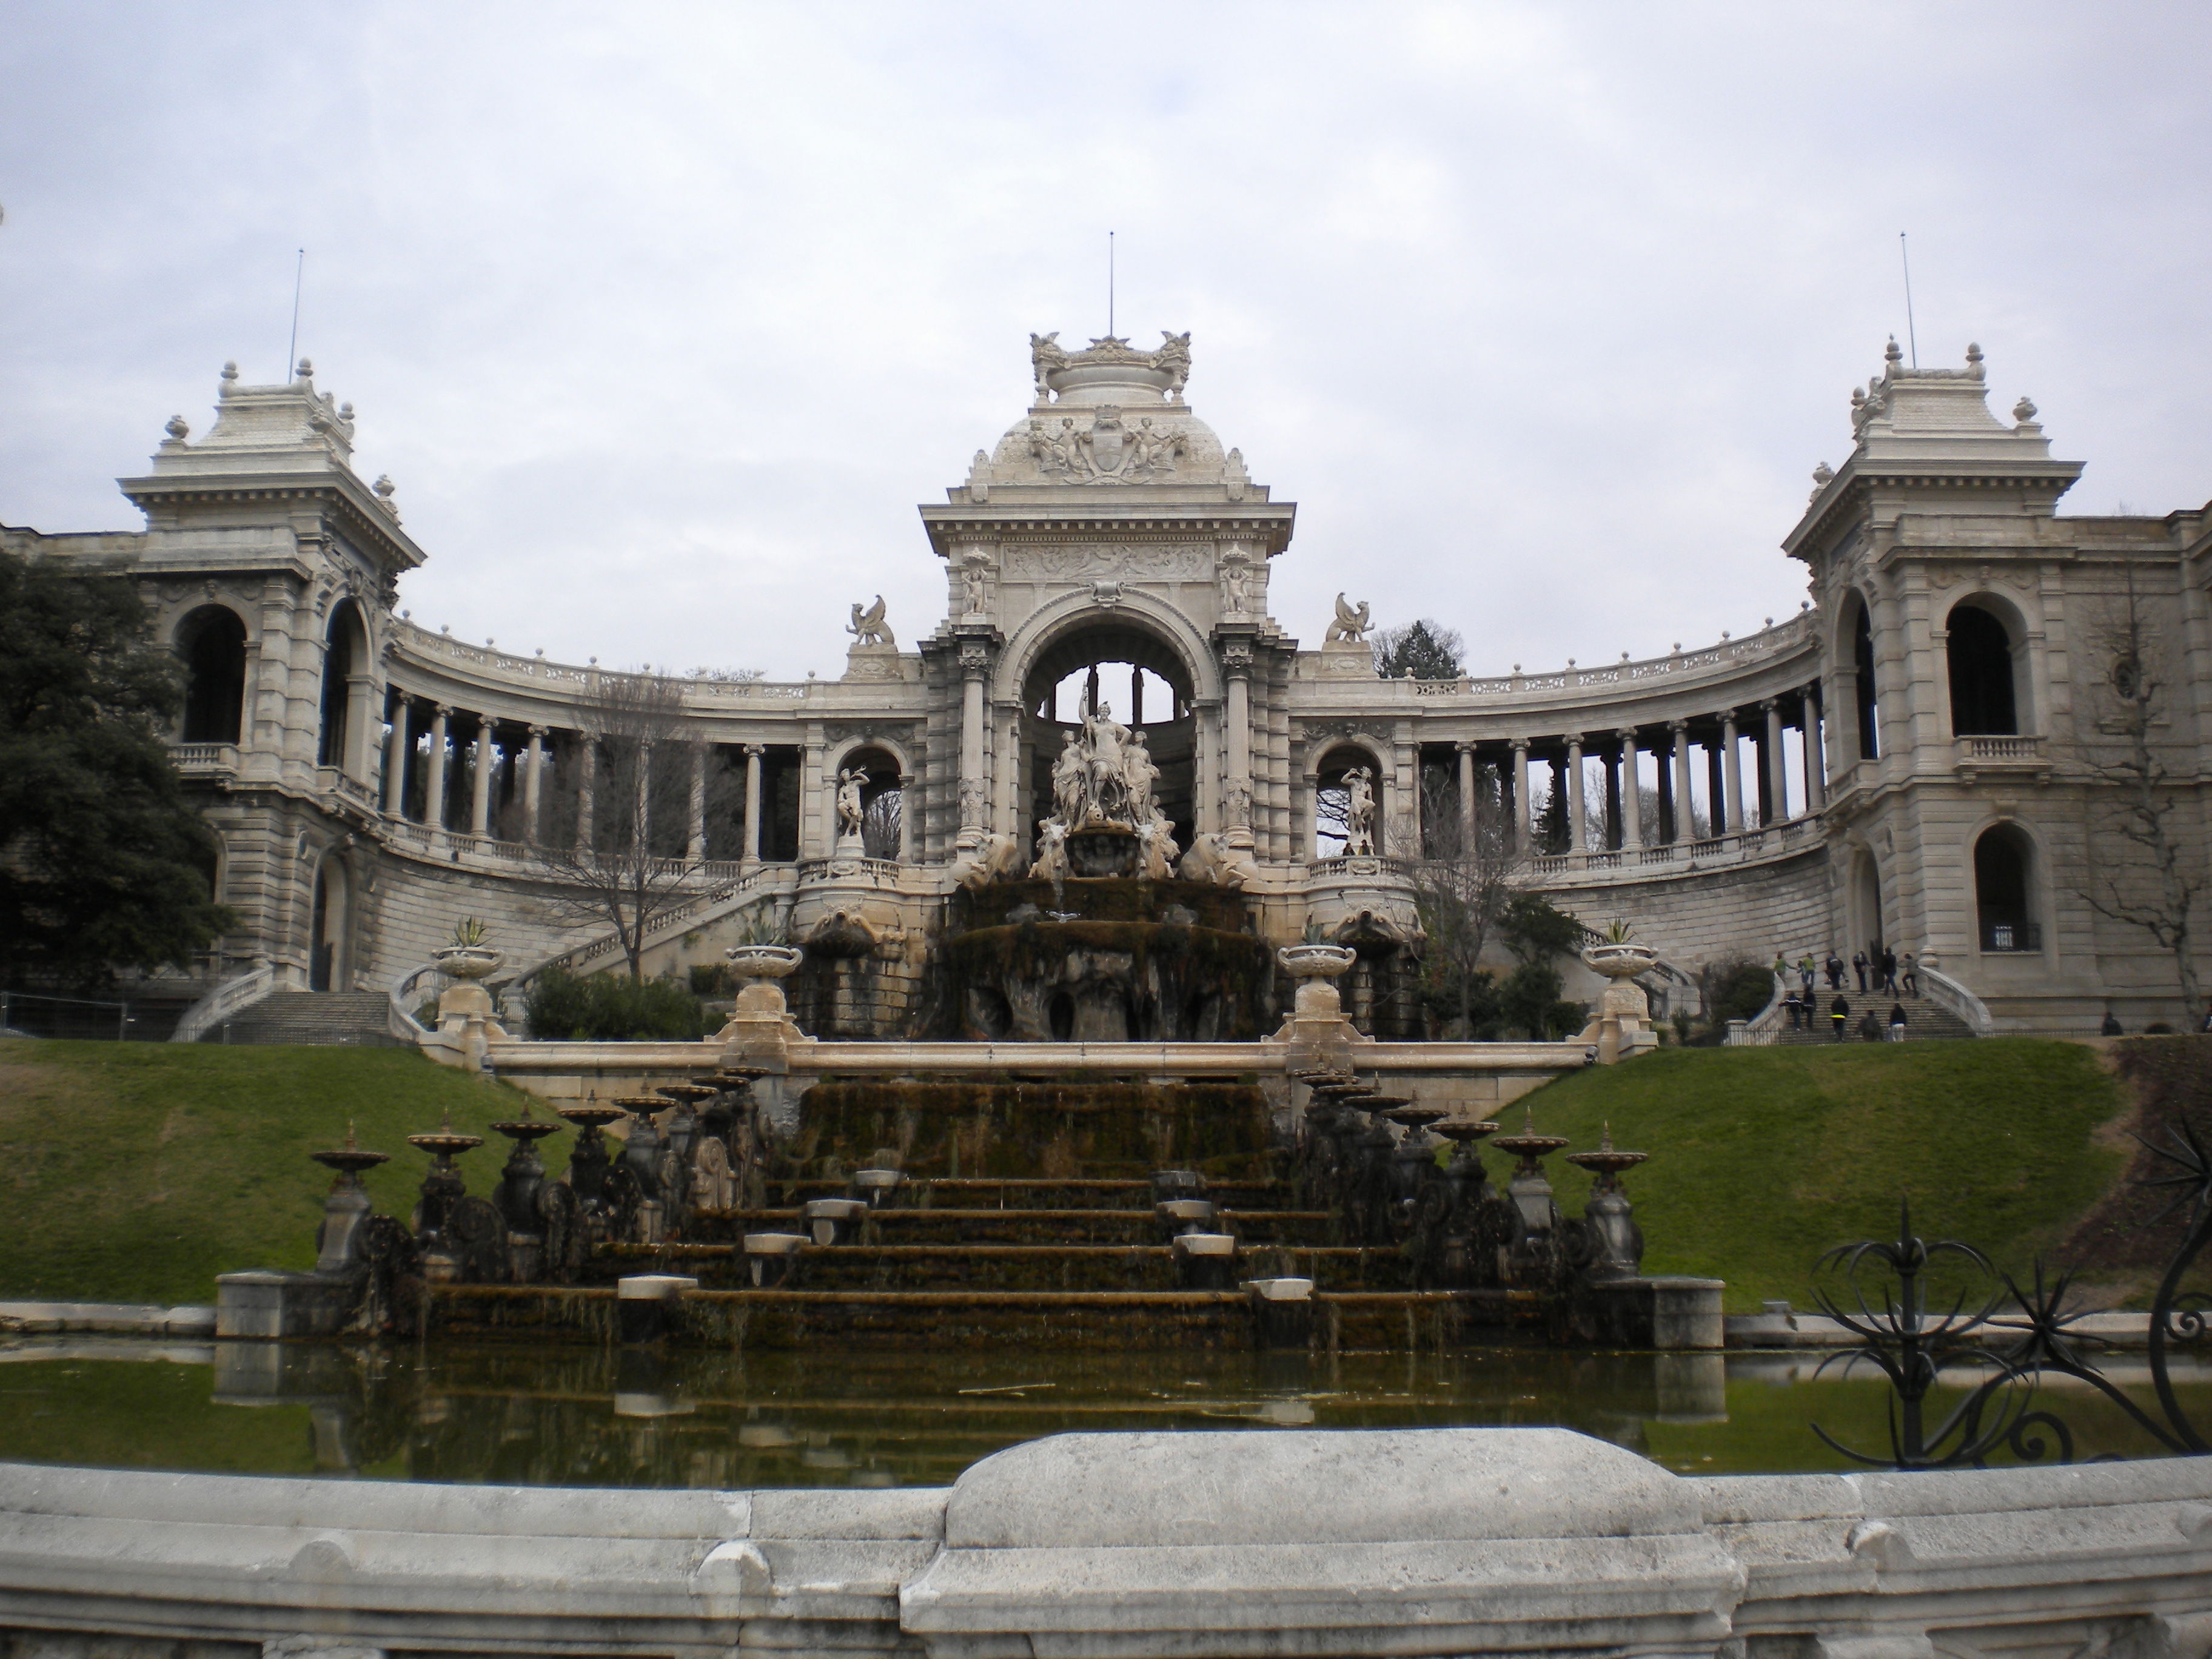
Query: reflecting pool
point(585, 1417)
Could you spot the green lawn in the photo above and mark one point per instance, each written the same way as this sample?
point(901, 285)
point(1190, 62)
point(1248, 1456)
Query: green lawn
point(1762, 1158)
point(136, 1172)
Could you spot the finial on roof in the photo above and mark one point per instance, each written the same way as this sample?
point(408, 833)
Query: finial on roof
point(386, 490)
point(1894, 354)
point(1974, 360)
point(177, 429)
point(1823, 475)
point(2024, 410)
point(230, 371)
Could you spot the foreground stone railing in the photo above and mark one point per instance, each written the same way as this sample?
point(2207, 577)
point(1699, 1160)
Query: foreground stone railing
point(1128, 1545)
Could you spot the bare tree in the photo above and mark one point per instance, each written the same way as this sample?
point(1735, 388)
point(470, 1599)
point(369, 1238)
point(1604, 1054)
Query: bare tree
point(632, 853)
point(1472, 869)
point(2155, 881)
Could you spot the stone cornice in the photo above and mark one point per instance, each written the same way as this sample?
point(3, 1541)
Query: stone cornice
point(367, 525)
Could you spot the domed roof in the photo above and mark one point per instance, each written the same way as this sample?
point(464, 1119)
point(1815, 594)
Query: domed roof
point(1110, 416)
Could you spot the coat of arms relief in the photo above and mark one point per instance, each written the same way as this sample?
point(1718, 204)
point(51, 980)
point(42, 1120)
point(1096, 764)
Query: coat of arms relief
point(1109, 451)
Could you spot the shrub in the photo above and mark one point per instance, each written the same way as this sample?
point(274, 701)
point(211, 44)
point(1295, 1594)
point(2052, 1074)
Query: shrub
point(613, 1008)
point(1736, 990)
point(712, 979)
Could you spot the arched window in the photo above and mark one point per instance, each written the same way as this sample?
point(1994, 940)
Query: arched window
point(1348, 784)
point(1121, 668)
point(2003, 863)
point(212, 641)
point(1870, 709)
point(1983, 701)
point(345, 656)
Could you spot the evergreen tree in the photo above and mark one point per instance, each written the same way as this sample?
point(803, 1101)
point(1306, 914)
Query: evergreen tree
point(1429, 649)
point(102, 857)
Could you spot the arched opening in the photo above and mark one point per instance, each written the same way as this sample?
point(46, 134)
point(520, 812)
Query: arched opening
point(1984, 701)
point(1117, 668)
point(1866, 906)
point(883, 801)
point(1869, 707)
point(1347, 804)
point(326, 962)
point(345, 655)
point(2004, 863)
point(212, 642)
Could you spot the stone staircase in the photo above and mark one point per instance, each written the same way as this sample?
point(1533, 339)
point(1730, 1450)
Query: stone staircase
point(360, 1018)
point(1925, 1019)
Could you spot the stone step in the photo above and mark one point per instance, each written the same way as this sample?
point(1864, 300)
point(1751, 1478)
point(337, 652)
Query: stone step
point(357, 1017)
point(1925, 1019)
point(1090, 1267)
point(981, 1226)
point(1012, 1194)
point(1122, 1320)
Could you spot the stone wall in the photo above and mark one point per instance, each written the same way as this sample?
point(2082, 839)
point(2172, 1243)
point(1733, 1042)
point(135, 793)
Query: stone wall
point(1197, 1545)
point(1720, 915)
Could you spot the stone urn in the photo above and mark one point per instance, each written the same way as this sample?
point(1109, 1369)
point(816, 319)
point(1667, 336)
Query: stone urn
point(1312, 967)
point(754, 962)
point(1623, 1023)
point(761, 1014)
point(465, 1007)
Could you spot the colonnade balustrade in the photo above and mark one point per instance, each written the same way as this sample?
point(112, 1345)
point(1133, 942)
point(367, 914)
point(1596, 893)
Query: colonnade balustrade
point(508, 788)
point(1535, 788)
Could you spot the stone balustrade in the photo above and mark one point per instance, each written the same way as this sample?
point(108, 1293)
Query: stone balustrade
point(1202, 1545)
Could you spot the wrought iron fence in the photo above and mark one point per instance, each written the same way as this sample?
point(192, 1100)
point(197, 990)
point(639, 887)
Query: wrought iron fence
point(2004, 1410)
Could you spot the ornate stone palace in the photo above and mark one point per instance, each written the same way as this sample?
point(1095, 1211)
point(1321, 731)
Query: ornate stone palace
point(1933, 755)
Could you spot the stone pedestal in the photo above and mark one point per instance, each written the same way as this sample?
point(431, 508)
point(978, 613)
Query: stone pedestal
point(272, 1306)
point(1665, 1314)
point(873, 662)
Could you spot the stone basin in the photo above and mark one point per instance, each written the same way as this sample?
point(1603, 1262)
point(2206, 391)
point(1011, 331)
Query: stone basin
point(1186, 1215)
point(834, 1220)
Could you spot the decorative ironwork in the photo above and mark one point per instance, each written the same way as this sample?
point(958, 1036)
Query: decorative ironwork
point(2002, 1411)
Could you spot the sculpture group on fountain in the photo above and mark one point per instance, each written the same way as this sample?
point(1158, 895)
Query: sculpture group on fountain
point(1104, 779)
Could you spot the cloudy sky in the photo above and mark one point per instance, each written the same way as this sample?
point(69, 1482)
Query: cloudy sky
point(663, 318)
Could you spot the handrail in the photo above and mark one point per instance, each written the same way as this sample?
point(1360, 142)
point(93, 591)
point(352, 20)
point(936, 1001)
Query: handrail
point(1769, 1019)
point(399, 1018)
point(740, 890)
point(1942, 988)
point(241, 990)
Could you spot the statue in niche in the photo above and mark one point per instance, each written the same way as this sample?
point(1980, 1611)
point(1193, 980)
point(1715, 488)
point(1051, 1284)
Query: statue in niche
point(1106, 739)
point(1070, 780)
point(850, 809)
point(868, 627)
point(1359, 812)
point(978, 584)
point(1138, 774)
point(1351, 626)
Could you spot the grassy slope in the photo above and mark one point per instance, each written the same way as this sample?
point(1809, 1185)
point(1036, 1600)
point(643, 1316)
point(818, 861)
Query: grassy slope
point(137, 1172)
point(1762, 1158)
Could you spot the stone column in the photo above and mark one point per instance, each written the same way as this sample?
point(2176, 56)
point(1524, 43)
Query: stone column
point(480, 787)
point(644, 805)
point(974, 660)
point(695, 848)
point(434, 791)
point(396, 747)
point(1777, 774)
point(533, 783)
point(1577, 837)
point(753, 753)
point(906, 821)
point(1632, 794)
point(1466, 799)
point(358, 748)
point(1732, 774)
point(588, 774)
point(813, 787)
point(1520, 795)
point(1684, 827)
point(1238, 718)
point(1816, 762)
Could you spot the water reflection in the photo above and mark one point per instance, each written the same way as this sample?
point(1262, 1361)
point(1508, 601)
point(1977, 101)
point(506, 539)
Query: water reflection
point(581, 1417)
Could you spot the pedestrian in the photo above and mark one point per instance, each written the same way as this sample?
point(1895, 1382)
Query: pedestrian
point(2206, 1026)
point(1781, 966)
point(1871, 1027)
point(1912, 976)
point(1859, 966)
point(1839, 1012)
point(2111, 1027)
point(1794, 1006)
point(1835, 971)
point(1806, 972)
point(1888, 971)
point(1897, 1022)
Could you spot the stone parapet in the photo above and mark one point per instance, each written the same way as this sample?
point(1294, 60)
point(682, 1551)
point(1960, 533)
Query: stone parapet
point(1408, 1542)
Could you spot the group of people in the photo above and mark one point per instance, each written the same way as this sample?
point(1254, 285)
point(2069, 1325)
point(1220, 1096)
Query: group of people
point(1883, 973)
